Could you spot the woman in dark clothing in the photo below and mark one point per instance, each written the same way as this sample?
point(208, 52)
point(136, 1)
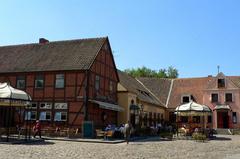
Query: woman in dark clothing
point(37, 129)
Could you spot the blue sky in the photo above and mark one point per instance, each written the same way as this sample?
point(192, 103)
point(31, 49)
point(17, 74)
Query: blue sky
point(192, 36)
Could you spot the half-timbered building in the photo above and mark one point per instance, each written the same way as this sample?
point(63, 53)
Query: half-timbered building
point(69, 81)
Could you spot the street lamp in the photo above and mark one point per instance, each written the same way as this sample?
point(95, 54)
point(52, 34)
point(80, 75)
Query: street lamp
point(134, 113)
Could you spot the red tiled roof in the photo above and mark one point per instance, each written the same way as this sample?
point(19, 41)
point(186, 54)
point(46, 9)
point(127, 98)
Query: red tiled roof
point(52, 56)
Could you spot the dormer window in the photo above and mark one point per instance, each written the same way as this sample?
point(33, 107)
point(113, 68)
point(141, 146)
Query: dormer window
point(186, 99)
point(221, 83)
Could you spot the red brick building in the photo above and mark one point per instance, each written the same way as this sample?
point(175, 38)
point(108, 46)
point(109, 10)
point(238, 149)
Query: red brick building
point(69, 81)
point(221, 93)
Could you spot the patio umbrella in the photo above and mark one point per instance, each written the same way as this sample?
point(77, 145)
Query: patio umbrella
point(11, 97)
point(192, 108)
point(7, 92)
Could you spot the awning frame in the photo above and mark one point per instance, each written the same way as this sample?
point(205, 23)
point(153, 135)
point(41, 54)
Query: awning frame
point(108, 106)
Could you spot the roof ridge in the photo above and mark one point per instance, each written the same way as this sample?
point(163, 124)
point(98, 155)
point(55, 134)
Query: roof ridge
point(53, 42)
point(169, 93)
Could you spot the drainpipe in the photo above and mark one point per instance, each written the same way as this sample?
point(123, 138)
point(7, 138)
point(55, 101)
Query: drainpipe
point(86, 96)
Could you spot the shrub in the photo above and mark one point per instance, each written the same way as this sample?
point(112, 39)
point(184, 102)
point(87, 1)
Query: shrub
point(199, 137)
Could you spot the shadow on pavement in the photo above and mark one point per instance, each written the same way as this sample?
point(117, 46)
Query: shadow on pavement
point(28, 142)
point(221, 138)
point(152, 139)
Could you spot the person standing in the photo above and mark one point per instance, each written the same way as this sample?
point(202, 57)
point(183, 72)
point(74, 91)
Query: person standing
point(127, 131)
point(37, 129)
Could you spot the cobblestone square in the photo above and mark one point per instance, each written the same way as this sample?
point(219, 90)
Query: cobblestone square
point(223, 147)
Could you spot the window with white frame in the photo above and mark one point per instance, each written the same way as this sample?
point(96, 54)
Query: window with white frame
point(39, 81)
point(60, 116)
point(59, 83)
point(33, 105)
point(46, 115)
point(21, 82)
point(97, 83)
point(31, 115)
point(60, 105)
point(45, 105)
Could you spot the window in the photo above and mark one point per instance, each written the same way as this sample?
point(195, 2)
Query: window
point(111, 86)
point(214, 98)
point(172, 117)
point(145, 118)
point(234, 117)
point(228, 97)
point(45, 105)
point(31, 115)
point(59, 83)
point(209, 119)
point(221, 83)
point(60, 116)
point(184, 119)
point(45, 116)
point(158, 117)
point(21, 82)
point(60, 106)
point(32, 106)
point(196, 119)
point(97, 83)
point(39, 82)
point(185, 99)
point(162, 116)
point(150, 118)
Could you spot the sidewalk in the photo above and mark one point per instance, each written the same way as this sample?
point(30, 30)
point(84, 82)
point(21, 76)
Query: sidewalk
point(109, 141)
point(106, 141)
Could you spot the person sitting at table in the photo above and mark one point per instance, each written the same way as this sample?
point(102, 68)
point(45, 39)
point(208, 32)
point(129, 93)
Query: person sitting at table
point(184, 130)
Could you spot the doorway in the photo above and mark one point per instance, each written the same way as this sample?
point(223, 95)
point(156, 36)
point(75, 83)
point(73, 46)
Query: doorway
point(223, 120)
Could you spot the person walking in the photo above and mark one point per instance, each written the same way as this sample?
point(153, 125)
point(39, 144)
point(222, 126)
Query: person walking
point(128, 128)
point(37, 129)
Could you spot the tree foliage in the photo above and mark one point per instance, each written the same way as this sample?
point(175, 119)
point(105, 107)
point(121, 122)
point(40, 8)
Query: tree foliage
point(170, 72)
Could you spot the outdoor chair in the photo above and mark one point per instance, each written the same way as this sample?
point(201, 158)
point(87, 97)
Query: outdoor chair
point(100, 133)
point(109, 134)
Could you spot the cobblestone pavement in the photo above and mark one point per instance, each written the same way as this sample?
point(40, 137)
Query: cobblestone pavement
point(224, 147)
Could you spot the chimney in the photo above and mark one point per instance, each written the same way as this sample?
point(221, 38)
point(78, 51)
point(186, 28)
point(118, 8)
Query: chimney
point(43, 41)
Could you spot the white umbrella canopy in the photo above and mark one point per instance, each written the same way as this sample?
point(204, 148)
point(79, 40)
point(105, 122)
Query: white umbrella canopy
point(192, 108)
point(18, 97)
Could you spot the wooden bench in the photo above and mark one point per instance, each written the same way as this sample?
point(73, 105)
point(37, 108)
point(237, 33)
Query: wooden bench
point(100, 133)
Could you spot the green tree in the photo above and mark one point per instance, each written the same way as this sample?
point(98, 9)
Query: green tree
point(143, 71)
point(172, 72)
point(162, 73)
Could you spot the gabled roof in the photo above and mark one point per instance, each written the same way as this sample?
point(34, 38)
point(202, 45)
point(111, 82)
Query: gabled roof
point(53, 56)
point(132, 85)
point(159, 86)
point(187, 86)
point(235, 80)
